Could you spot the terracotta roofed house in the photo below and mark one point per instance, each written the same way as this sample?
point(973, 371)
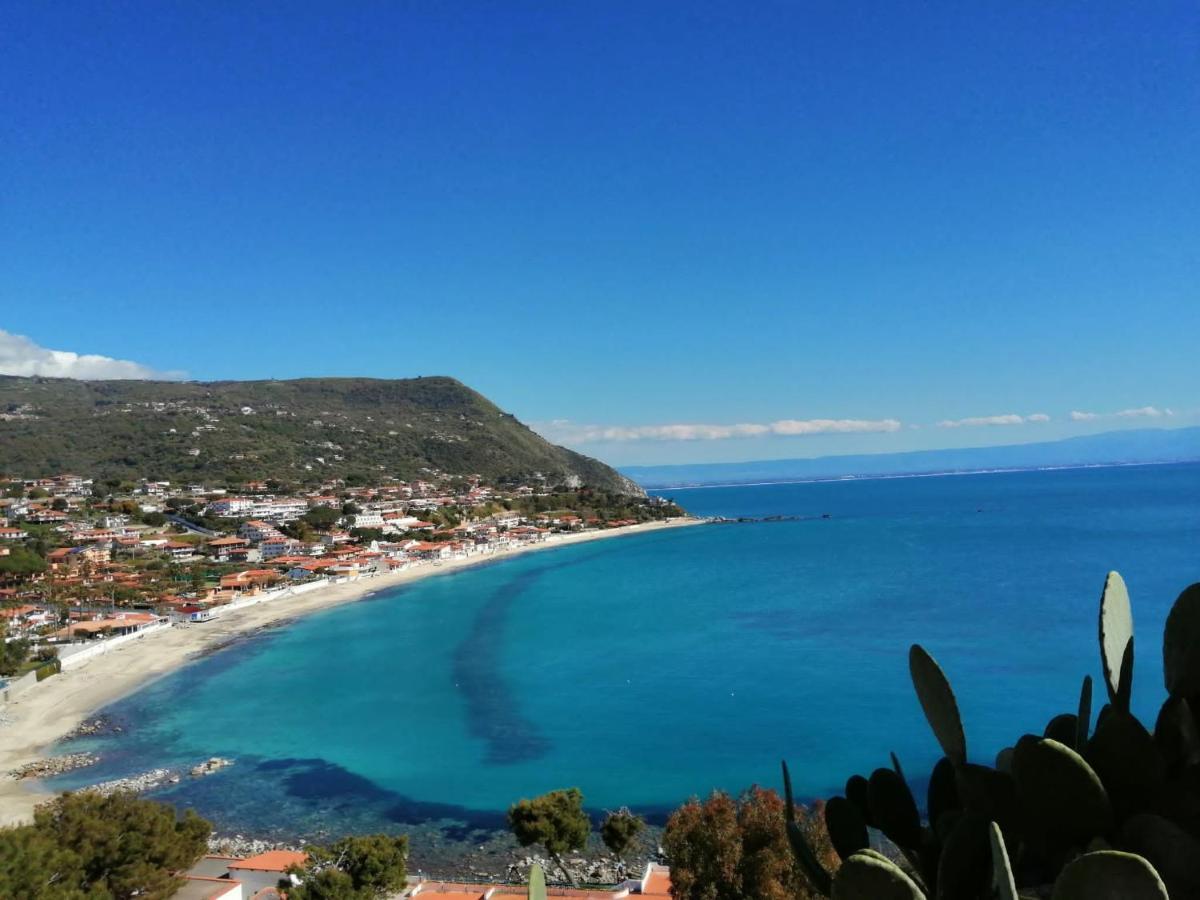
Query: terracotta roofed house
point(266, 869)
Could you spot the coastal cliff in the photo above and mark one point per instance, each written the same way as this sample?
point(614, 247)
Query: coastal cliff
point(302, 431)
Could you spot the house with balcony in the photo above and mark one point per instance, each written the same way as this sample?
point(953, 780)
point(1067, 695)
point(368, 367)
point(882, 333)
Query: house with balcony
point(229, 549)
point(256, 531)
point(229, 507)
point(179, 551)
point(279, 546)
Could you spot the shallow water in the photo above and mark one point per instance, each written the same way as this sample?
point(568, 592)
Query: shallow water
point(649, 668)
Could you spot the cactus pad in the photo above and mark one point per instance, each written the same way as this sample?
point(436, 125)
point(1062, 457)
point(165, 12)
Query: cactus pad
point(1129, 764)
point(1109, 875)
point(893, 809)
point(942, 796)
point(871, 877)
point(1181, 645)
point(537, 883)
point(1061, 794)
point(1173, 852)
point(847, 830)
point(1083, 719)
point(1116, 631)
point(965, 864)
point(1004, 886)
point(938, 702)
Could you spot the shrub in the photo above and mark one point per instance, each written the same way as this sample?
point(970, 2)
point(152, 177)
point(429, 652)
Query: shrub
point(724, 848)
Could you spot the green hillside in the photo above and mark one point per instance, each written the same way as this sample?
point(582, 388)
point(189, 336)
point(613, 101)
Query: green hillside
point(304, 431)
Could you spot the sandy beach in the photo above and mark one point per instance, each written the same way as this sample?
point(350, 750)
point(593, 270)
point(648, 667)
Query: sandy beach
point(52, 709)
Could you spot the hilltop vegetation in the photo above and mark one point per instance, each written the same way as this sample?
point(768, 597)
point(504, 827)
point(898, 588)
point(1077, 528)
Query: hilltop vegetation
point(304, 431)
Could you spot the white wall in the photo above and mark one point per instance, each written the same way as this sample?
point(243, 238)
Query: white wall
point(72, 655)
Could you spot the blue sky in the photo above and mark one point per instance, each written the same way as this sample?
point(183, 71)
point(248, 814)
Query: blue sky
point(616, 219)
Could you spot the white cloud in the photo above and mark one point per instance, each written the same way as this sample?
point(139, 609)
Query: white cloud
point(834, 426)
point(1148, 412)
point(1007, 419)
point(1141, 412)
point(564, 431)
point(21, 356)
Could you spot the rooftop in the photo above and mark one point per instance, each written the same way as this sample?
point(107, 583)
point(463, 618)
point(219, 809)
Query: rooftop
point(271, 861)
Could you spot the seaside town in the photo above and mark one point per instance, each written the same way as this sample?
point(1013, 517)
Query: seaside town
point(90, 568)
point(85, 567)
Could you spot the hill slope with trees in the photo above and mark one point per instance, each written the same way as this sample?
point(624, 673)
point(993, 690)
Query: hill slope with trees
point(303, 431)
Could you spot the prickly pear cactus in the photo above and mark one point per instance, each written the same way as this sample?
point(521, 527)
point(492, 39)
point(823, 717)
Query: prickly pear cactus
point(1116, 635)
point(939, 703)
point(1173, 852)
point(1181, 645)
point(1083, 718)
point(1109, 875)
point(537, 883)
point(893, 808)
point(847, 830)
point(1063, 798)
point(965, 864)
point(805, 857)
point(869, 876)
point(1126, 798)
point(1003, 884)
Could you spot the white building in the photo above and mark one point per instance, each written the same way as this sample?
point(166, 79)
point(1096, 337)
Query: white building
point(257, 531)
point(279, 510)
point(230, 507)
point(368, 520)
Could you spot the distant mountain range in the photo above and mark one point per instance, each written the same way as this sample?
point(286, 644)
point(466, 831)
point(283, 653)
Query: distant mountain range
point(300, 431)
point(1110, 448)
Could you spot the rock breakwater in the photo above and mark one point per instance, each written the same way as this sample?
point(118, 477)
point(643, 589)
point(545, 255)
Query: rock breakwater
point(54, 765)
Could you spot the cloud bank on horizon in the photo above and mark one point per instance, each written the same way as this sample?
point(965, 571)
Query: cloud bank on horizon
point(21, 356)
point(1007, 419)
point(1141, 412)
point(565, 431)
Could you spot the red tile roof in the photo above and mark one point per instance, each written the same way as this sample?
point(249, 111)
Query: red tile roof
point(271, 861)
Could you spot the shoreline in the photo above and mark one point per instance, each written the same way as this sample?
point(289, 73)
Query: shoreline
point(50, 711)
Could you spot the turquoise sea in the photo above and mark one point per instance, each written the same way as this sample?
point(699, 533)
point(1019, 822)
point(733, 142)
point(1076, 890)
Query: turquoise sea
point(649, 668)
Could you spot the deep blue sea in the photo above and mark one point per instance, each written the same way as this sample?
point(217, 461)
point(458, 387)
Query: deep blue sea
point(649, 668)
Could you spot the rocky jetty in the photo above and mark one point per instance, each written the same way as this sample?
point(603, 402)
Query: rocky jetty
point(147, 781)
point(753, 520)
point(93, 727)
point(137, 783)
point(55, 765)
point(213, 764)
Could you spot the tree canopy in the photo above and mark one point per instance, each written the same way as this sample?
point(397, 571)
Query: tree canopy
point(619, 830)
point(737, 849)
point(20, 561)
point(322, 517)
point(354, 868)
point(555, 820)
point(13, 655)
point(84, 845)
